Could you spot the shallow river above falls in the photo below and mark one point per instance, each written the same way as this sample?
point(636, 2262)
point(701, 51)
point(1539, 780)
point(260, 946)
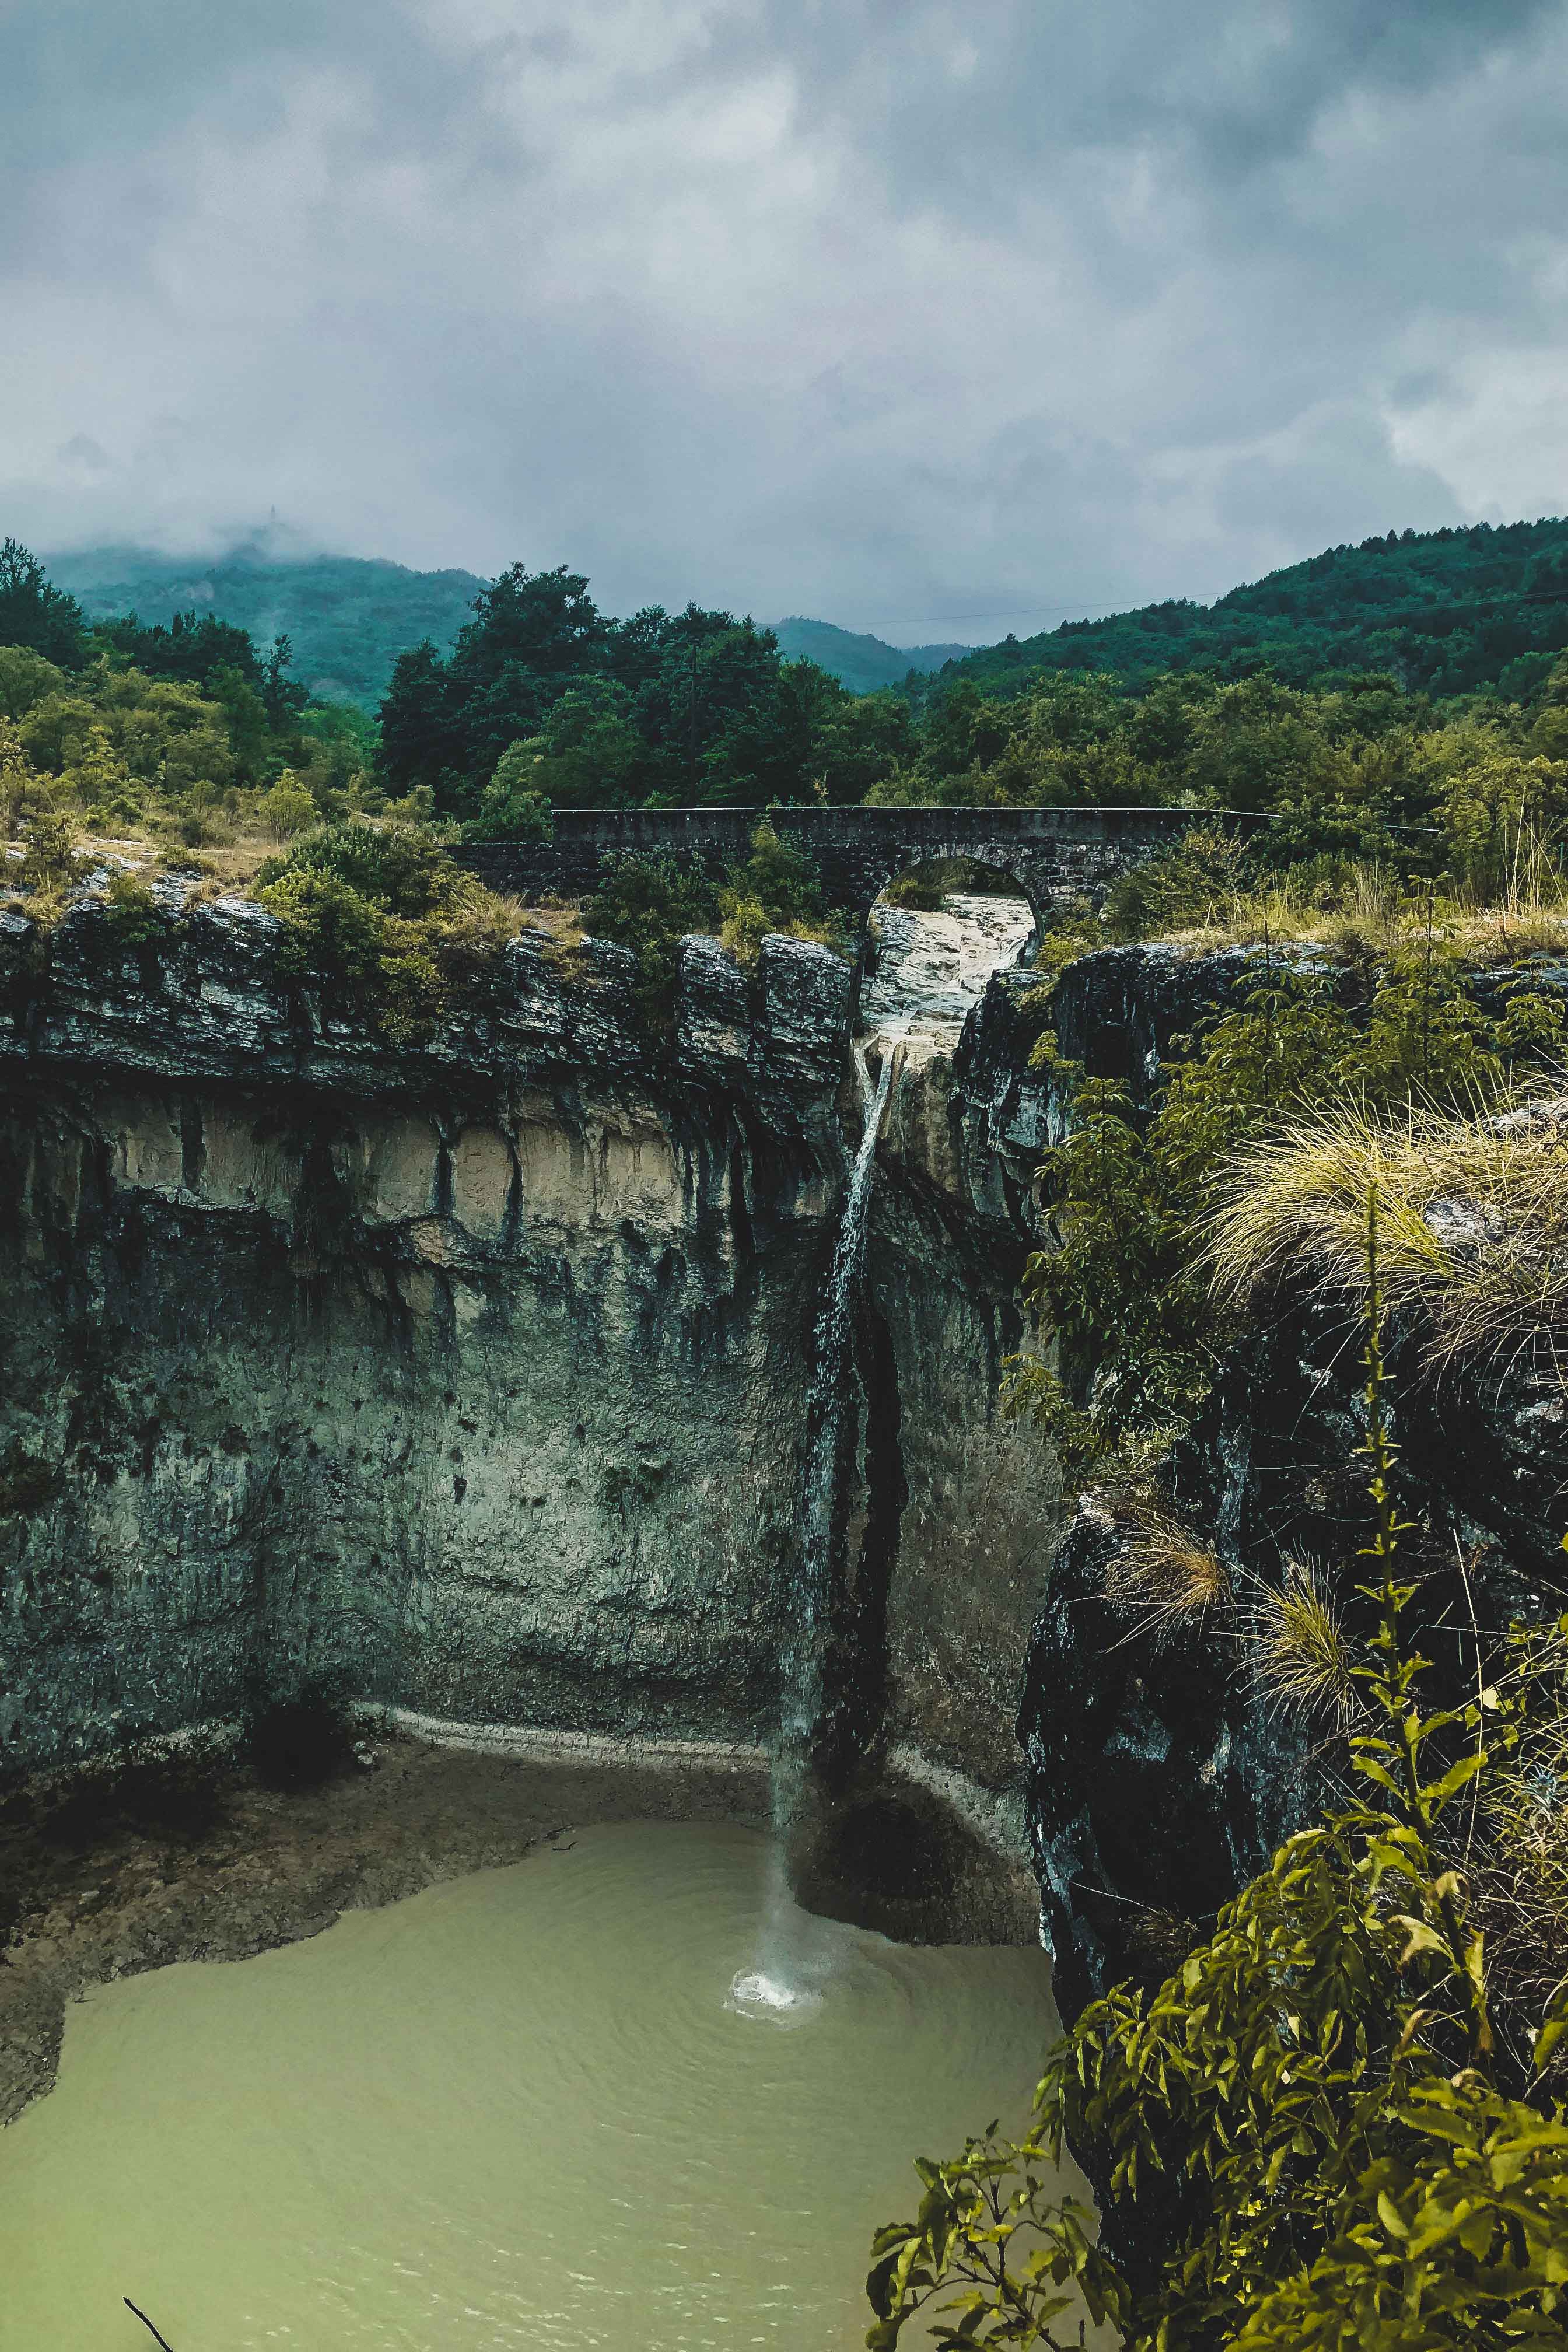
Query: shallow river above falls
point(514, 2110)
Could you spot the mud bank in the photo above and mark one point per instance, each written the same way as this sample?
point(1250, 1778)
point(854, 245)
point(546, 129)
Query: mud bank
point(268, 1868)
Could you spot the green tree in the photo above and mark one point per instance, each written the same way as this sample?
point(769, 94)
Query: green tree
point(860, 743)
point(35, 614)
point(189, 648)
point(589, 751)
point(25, 679)
point(512, 807)
point(245, 715)
point(103, 782)
point(1260, 745)
point(1502, 816)
point(287, 809)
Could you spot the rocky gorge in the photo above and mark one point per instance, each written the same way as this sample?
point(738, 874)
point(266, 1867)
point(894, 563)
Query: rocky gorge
point(473, 1382)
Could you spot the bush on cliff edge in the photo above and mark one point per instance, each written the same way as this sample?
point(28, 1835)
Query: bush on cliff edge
point(380, 918)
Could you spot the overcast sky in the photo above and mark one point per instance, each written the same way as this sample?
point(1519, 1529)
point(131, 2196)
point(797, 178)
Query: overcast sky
point(932, 319)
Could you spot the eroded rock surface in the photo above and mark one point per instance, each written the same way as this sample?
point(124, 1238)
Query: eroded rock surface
point(475, 1375)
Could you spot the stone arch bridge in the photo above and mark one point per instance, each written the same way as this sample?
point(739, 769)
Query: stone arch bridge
point(1053, 854)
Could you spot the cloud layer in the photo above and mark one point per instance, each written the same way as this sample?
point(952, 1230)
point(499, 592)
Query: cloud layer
point(925, 315)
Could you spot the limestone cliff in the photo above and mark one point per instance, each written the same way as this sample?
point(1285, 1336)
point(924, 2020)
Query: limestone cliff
point(475, 1376)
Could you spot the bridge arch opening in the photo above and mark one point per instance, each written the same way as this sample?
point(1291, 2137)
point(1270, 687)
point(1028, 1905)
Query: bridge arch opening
point(939, 928)
point(927, 882)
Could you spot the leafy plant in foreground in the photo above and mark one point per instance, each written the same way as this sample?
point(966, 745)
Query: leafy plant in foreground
point(1301, 2137)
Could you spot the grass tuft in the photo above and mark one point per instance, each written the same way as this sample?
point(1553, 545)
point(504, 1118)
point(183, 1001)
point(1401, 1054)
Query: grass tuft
point(1162, 1570)
point(1473, 1218)
point(1299, 1648)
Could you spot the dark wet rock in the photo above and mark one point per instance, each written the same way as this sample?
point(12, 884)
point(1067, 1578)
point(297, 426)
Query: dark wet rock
point(1162, 1776)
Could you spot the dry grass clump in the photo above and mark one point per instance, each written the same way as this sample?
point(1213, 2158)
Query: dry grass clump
point(1162, 1570)
point(1472, 1221)
point(1366, 912)
point(1299, 1648)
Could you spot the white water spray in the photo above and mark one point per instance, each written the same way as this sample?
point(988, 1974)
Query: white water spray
point(784, 1986)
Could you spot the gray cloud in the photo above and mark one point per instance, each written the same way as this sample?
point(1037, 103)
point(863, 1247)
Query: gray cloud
point(895, 310)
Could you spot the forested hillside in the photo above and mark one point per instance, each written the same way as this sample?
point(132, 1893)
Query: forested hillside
point(347, 619)
point(1446, 610)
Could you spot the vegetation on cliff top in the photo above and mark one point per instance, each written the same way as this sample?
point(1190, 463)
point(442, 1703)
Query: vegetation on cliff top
point(1124, 1284)
point(190, 732)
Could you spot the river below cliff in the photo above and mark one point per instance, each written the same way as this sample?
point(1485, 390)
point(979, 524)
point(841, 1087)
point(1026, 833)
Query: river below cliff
point(518, 2108)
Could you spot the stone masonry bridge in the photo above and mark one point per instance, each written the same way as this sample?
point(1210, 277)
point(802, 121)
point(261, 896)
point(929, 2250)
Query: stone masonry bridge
point(1053, 854)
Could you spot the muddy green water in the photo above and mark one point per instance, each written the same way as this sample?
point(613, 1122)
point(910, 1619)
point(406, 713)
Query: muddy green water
point(512, 2111)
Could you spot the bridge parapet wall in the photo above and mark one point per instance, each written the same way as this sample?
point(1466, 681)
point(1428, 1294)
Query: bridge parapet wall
point(1052, 853)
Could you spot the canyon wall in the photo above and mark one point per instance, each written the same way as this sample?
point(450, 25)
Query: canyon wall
point(475, 1378)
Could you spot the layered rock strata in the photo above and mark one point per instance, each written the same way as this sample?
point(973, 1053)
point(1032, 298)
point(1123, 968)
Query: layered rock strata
point(473, 1378)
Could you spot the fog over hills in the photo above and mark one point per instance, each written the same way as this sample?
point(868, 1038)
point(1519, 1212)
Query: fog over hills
point(349, 617)
point(863, 663)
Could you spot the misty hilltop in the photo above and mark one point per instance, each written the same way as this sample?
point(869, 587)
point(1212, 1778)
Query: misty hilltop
point(347, 617)
point(1480, 607)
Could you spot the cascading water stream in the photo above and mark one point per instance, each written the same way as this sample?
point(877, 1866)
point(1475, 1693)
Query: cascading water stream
point(784, 1984)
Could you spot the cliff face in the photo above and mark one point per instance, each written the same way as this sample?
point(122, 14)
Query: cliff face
point(1160, 1775)
point(478, 1376)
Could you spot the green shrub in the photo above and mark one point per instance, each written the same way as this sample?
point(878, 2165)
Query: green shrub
point(49, 860)
point(780, 878)
point(331, 933)
point(132, 917)
point(648, 904)
point(287, 809)
point(1192, 884)
point(776, 889)
point(413, 994)
point(377, 912)
point(399, 867)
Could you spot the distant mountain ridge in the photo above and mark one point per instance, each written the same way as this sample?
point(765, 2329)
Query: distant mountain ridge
point(864, 664)
point(347, 616)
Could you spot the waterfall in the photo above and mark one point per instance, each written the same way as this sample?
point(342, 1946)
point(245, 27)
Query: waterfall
point(795, 1954)
point(824, 1423)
